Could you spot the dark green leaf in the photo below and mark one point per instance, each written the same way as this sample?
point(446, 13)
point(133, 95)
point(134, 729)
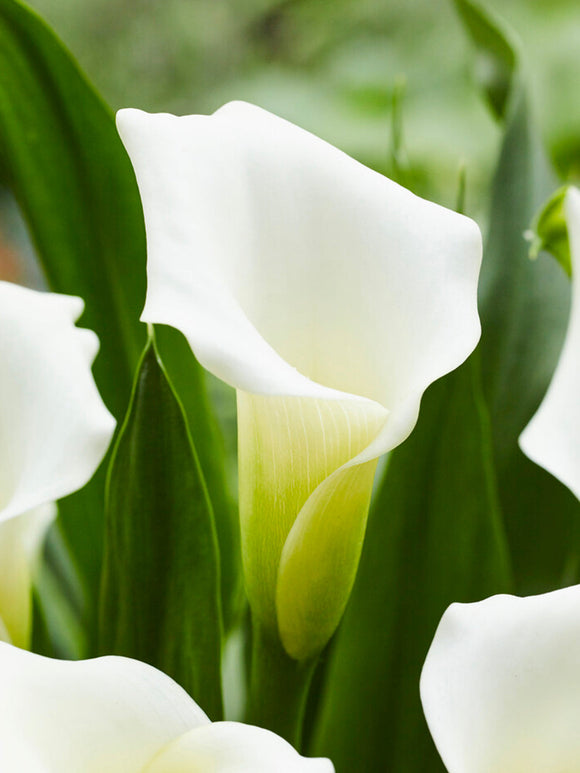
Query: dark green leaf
point(524, 309)
point(160, 593)
point(68, 170)
point(498, 55)
point(189, 381)
point(435, 536)
point(57, 602)
point(61, 156)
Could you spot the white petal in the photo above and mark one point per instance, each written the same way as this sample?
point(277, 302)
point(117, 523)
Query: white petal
point(21, 539)
point(54, 427)
point(500, 686)
point(551, 438)
point(294, 270)
point(17, 757)
point(110, 714)
point(231, 747)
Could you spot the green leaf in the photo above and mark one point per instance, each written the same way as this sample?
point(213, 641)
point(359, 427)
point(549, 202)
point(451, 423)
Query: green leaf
point(498, 54)
point(435, 536)
point(549, 231)
point(524, 309)
point(160, 595)
point(57, 629)
point(61, 156)
point(62, 159)
point(190, 383)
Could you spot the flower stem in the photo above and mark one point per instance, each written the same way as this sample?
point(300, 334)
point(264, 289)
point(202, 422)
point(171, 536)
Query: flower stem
point(279, 687)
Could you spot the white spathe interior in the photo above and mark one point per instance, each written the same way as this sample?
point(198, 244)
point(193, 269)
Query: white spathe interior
point(291, 268)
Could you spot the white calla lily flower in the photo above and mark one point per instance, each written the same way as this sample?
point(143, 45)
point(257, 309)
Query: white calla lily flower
point(54, 431)
point(551, 437)
point(500, 684)
point(330, 298)
point(118, 715)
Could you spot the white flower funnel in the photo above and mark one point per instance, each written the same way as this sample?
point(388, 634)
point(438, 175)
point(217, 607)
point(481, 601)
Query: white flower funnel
point(500, 684)
point(551, 439)
point(330, 298)
point(121, 716)
point(54, 427)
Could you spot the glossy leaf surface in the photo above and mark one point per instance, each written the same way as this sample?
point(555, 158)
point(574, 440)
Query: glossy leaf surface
point(160, 595)
point(61, 156)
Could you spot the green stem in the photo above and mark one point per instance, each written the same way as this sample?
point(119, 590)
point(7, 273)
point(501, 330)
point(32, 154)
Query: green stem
point(279, 687)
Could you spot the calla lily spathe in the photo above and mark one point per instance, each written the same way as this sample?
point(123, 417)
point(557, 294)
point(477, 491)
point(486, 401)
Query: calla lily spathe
point(330, 298)
point(500, 684)
point(54, 431)
point(121, 716)
point(551, 439)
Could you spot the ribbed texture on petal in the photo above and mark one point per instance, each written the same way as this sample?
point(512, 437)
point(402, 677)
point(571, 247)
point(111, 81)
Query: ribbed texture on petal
point(288, 449)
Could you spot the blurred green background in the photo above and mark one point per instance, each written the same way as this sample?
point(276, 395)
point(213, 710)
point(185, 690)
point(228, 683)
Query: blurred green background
point(332, 66)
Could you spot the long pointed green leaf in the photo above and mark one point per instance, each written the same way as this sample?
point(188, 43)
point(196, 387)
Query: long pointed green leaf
point(524, 308)
point(435, 536)
point(189, 380)
point(61, 156)
point(160, 594)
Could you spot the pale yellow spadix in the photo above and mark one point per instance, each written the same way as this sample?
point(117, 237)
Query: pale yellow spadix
point(330, 298)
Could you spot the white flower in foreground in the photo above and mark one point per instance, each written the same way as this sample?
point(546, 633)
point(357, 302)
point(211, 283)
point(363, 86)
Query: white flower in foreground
point(330, 298)
point(54, 431)
point(552, 438)
point(118, 715)
point(501, 685)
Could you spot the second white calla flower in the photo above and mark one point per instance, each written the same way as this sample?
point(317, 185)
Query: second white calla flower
point(551, 439)
point(54, 432)
point(118, 715)
point(500, 684)
point(330, 298)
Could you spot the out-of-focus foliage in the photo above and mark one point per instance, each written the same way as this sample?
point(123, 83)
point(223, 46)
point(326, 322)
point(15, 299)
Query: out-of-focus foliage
point(332, 66)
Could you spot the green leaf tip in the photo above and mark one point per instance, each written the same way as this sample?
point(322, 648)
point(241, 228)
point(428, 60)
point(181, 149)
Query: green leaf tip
point(160, 593)
point(498, 52)
point(549, 231)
